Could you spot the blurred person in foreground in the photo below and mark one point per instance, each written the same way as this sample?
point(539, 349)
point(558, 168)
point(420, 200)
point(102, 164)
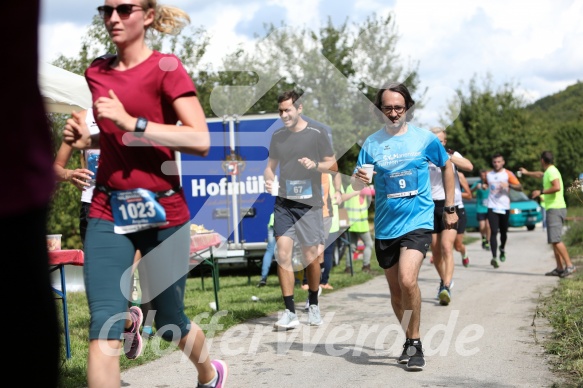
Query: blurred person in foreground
point(28, 183)
point(400, 153)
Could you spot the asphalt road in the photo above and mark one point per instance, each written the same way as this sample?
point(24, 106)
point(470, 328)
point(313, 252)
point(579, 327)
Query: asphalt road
point(489, 336)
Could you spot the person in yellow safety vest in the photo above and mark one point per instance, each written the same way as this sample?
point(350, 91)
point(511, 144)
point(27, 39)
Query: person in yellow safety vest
point(356, 204)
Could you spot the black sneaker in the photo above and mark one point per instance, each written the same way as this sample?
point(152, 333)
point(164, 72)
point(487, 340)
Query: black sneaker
point(416, 359)
point(554, 272)
point(262, 283)
point(404, 356)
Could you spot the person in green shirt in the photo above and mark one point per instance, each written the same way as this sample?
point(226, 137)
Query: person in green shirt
point(556, 211)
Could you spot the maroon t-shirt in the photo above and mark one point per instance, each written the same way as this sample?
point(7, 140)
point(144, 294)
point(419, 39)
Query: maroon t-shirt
point(146, 90)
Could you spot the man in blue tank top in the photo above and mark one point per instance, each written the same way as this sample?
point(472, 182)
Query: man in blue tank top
point(400, 153)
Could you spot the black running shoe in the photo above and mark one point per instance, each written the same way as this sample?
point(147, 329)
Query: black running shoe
point(416, 359)
point(404, 356)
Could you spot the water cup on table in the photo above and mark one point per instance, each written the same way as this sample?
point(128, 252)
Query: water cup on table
point(54, 242)
point(369, 171)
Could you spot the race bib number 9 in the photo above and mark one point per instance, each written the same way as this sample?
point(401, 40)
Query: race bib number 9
point(401, 184)
point(135, 210)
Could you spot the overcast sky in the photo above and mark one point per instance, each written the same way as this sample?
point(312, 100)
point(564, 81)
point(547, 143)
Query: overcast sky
point(535, 45)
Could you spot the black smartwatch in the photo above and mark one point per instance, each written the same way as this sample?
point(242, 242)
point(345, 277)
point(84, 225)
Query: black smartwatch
point(449, 209)
point(141, 124)
point(316, 166)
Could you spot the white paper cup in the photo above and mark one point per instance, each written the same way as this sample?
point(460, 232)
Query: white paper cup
point(519, 174)
point(369, 171)
point(275, 187)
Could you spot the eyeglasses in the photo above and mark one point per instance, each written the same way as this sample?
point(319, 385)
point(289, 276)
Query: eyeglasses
point(123, 10)
point(399, 109)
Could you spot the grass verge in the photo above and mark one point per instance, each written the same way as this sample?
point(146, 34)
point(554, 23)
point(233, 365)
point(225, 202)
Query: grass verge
point(564, 310)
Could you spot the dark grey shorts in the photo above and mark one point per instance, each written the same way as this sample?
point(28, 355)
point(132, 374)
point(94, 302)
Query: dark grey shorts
point(304, 224)
point(388, 251)
point(555, 220)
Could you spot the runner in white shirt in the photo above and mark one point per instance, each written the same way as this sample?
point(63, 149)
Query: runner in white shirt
point(500, 181)
point(443, 239)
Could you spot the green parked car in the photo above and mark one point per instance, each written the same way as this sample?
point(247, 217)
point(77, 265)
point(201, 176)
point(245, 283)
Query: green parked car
point(523, 210)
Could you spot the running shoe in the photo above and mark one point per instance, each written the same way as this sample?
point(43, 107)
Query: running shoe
point(132, 340)
point(444, 296)
point(568, 271)
point(314, 318)
point(502, 255)
point(416, 359)
point(222, 371)
point(405, 356)
point(441, 286)
point(466, 262)
point(554, 272)
point(287, 321)
point(494, 262)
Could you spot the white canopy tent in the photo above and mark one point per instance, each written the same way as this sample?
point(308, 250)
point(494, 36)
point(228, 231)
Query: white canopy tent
point(62, 90)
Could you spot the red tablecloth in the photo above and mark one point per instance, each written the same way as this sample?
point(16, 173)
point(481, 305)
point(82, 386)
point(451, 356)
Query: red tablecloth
point(202, 241)
point(66, 256)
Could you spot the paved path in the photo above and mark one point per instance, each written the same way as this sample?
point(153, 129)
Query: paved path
point(489, 336)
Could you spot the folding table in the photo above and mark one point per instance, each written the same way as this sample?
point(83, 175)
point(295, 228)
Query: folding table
point(57, 261)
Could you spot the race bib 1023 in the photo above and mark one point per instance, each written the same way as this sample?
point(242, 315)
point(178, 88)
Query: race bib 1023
point(135, 210)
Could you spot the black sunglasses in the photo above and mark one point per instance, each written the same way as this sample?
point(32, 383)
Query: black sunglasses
point(123, 10)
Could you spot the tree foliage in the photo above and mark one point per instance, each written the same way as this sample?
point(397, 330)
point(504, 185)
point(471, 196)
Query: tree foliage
point(498, 120)
point(338, 68)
